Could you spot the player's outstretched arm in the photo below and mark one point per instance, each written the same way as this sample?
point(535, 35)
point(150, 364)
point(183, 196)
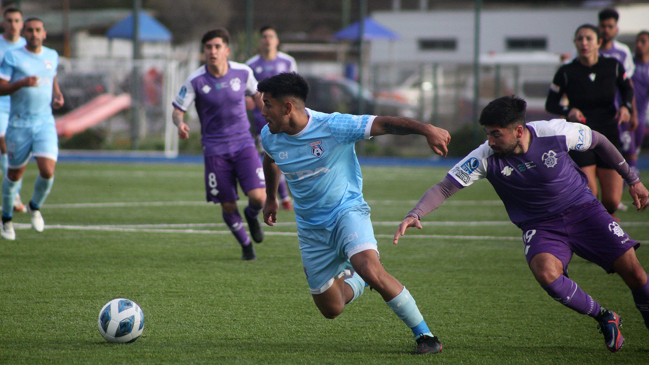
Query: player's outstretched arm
point(639, 194)
point(183, 129)
point(438, 138)
point(272, 174)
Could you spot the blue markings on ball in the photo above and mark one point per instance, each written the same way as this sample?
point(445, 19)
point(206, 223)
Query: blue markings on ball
point(125, 327)
point(105, 318)
point(124, 304)
point(141, 320)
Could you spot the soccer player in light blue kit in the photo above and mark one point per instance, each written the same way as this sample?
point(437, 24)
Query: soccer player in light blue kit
point(12, 24)
point(315, 152)
point(28, 74)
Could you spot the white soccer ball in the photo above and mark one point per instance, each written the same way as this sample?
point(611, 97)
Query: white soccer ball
point(121, 320)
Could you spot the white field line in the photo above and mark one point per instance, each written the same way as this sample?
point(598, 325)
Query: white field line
point(178, 228)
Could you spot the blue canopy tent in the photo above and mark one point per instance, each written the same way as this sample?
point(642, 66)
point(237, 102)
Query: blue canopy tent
point(150, 29)
point(372, 30)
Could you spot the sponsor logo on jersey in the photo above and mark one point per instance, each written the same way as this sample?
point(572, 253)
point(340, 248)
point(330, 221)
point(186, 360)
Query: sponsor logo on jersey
point(507, 170)
point(305, 174)
point(316, 148)
point(470, 165)
point(283, 155)
point(460, 174)
point(235, 84)
point(616, 229)
point(580, 141)
point(525, 166)
point(549, 159)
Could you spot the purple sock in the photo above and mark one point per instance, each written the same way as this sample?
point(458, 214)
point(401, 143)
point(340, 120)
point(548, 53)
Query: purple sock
point(282, 191)
point(568, 293)
point(252, 210)
point(641, 299)
point(234, 221)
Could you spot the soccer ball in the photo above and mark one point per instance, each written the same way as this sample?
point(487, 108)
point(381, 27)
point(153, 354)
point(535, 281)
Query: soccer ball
point(121, 320)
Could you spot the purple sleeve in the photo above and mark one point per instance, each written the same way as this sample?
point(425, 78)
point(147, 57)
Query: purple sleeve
point(607, 152)
point(433, 198)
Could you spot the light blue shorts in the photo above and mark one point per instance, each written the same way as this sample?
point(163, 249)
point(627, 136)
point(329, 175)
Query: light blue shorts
point(40, 141)
point(4, 121)
point(326, 252)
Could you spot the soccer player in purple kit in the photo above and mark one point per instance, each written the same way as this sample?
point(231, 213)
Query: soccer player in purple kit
point(219, 89)
point(546, 195)
point(641, 90)
point(270, 62)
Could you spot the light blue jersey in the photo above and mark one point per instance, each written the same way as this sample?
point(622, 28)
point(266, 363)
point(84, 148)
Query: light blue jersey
point(30, 105)
point(320, 165)
point(5, 46)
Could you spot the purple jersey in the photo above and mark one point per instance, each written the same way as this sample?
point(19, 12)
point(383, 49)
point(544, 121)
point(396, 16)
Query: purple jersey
point(641, 88)
point(622, 53)
point(264, 69)
point(539, 183)
point(220, 103)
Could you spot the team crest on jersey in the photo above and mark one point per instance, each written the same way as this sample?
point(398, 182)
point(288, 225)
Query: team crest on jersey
point(48, 64)
point(507, 170)
point(316, 148)
point(259, 69)
point(206, 89)
point(616, 229)
point(235, 84)
point(549, 159)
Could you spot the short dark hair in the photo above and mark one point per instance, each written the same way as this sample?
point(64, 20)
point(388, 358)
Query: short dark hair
point(641, 33)
point(266, 27)
point(591, 27)
point(12, 10)
point(609, 13)
point(285, 84)
point(34, 19)
point(216, 33)
point(504, 112)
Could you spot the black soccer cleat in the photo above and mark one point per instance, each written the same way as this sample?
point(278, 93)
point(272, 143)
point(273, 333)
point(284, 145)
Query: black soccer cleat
point(256, 230)
point(428, 345)
point(248, 253)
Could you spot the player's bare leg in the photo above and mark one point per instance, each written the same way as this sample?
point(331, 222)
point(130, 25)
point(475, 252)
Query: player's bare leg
point(612, 186)
point(591, 174)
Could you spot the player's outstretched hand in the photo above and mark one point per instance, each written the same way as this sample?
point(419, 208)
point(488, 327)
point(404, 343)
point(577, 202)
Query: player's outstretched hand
point(639, 194)
point(408, 222)
point(623, 115)
point(270, 211)
point(438, 140)
point(29, 81)
point(58, 101)
point(183, 130)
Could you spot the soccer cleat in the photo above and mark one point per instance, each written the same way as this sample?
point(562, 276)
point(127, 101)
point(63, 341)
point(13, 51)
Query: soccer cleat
point(19, 207)
point(609, 325)
point(622, 207)
point(8, 232)
point(287, 205)
point(256, 230)
point(248, 253)
point(37, 219)
point(428, 345)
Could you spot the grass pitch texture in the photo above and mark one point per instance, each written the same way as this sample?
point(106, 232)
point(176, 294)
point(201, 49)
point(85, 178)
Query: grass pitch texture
point(144, 232)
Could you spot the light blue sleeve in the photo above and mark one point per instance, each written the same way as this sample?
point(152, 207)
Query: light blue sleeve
point(347, 128)
point(6, 69)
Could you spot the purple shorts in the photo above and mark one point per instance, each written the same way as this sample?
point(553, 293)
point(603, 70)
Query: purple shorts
point(223, 171)
point(587, 230)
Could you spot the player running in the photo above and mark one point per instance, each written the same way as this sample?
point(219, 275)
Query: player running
point(546, 195)
point(315, 152)
point(219, 89)
point(270, 62)
point(28, 74)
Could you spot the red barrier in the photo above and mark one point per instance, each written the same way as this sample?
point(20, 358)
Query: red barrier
point(92, 113)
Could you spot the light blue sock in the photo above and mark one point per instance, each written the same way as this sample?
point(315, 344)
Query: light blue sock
point(357, 284)
point(9, 191)
point(42, 188)
point(406, 309)
point(4, 163)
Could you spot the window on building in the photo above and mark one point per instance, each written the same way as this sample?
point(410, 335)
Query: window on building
point(526, 44)
point(438, 44)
